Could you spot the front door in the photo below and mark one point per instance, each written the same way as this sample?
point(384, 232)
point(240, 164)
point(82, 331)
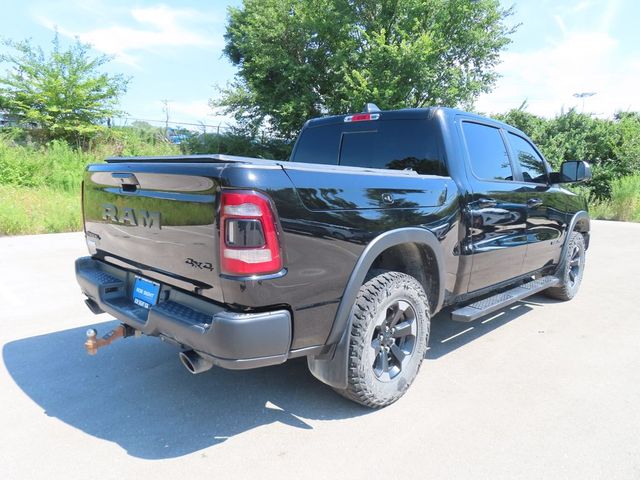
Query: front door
point(546, 206)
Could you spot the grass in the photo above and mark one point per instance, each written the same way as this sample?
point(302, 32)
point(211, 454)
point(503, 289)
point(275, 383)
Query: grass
point(28, 210)
point(40, 185)
point(55, 166)
point(624, 203)
point(59, 166)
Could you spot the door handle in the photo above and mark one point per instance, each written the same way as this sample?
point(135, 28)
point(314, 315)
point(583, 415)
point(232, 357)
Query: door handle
point(125, 178)
point(534, 202)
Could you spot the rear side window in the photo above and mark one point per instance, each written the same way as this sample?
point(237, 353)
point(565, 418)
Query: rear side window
point(487, 152)
point(319, 145)
point(531, 165)
point(392, 144)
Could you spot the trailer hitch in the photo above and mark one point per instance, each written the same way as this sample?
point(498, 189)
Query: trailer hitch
point(93, 343)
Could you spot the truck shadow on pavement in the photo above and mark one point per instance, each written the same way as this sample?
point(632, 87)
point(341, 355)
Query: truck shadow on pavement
point(137, 394)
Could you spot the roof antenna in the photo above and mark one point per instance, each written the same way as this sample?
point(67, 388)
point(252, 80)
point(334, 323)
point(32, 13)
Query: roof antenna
point(371, 107)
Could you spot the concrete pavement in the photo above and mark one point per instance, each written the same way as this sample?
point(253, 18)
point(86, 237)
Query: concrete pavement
point(542, 390)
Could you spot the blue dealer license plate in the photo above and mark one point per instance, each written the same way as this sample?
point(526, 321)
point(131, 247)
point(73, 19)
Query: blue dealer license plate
point(145, 292)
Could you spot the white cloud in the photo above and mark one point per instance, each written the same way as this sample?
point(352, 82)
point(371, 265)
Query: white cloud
point(581, 61)
point(153, 28)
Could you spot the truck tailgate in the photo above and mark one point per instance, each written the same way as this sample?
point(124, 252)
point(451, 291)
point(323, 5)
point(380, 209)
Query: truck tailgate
point(157, 218)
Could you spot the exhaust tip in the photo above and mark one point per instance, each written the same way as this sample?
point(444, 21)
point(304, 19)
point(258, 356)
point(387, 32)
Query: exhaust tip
point(184, 359)
point(194, 362)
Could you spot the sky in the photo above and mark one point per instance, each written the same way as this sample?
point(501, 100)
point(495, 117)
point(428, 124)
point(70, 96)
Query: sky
point(173, 52)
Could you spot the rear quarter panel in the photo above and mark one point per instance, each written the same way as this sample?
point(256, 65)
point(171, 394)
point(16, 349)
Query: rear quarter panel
point(325, 230)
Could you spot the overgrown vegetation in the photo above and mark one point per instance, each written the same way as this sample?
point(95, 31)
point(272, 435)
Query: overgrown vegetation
point(29, 210)
point(237, 143)
point(40, 183)
point(624, 202)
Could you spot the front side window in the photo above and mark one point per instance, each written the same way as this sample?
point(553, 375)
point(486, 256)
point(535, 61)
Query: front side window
point(487, 152)
point(531, 165)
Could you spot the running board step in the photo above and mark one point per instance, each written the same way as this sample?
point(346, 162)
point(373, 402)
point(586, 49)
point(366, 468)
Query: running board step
point(501, 300)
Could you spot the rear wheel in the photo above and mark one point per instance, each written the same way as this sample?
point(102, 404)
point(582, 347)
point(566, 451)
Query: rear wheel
point(571, 271)
point(388, 339)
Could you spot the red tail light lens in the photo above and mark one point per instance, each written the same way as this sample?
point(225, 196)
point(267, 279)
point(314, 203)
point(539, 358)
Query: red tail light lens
point(249, 242)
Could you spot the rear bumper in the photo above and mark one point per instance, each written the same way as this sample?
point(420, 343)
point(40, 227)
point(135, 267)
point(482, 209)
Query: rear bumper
point(229, 339)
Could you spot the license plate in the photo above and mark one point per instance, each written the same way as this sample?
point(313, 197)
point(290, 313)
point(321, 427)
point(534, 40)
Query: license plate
point(145, 292)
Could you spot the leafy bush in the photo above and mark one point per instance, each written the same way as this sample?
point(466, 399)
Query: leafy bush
point(55, 165)
point(624, 203)
point(238, 144)
point(58, 166)
point(133, 141)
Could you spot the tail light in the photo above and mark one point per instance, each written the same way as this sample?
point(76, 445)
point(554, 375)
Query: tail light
point(361, 117)
point(249, 242)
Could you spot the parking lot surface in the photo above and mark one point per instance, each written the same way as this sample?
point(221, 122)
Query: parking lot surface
point(544, 389)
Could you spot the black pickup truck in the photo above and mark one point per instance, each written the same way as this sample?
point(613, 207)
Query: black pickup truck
point(342, 254)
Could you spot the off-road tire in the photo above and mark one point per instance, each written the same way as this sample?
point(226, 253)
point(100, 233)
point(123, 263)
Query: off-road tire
point(571, 270)
point(376, 301)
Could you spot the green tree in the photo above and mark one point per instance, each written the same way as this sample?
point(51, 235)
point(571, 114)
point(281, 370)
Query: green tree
point(304, 58)
point(63, 92)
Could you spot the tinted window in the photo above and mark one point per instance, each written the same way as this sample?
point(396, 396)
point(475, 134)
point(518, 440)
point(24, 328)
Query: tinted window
point(531, 165)
point(487, 152)
point(397, 145)
point(392, 144)
point(319, 145)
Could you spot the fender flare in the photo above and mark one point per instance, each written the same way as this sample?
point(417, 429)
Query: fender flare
point(331, 368)
point(578, 216)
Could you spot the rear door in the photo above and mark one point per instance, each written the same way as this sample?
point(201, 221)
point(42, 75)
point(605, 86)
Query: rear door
point(546, 218)
point(497, 207)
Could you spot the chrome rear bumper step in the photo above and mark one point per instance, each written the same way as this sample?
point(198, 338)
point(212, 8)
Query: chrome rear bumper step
point(489, 305)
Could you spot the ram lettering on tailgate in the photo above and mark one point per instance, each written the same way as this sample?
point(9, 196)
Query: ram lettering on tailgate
point(131, 216)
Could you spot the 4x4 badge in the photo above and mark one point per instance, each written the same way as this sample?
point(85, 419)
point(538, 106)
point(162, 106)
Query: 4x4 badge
point(199, 265)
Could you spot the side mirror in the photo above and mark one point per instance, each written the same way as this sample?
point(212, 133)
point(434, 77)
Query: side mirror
point(573, 171)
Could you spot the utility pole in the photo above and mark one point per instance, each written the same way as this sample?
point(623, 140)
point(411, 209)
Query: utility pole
point(203, 136)
point(165, 109)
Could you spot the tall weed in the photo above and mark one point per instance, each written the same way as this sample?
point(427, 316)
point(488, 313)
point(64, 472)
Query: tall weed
point(624, 202)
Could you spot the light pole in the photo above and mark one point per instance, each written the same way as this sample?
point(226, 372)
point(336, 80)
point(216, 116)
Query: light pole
point(584, 95)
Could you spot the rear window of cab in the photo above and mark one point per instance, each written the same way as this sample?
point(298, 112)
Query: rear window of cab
point(392, 144)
